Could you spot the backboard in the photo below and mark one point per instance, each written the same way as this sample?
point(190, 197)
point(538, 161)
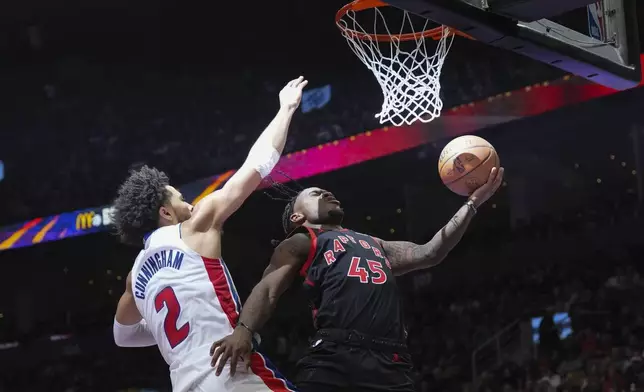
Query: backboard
point(595, 40)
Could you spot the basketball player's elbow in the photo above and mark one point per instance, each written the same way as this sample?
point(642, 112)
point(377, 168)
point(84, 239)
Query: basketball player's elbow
point(120, 341)
point(440, 253)
point(430, 255)
point(437, 249)
point(134, 335)
point(406, 257)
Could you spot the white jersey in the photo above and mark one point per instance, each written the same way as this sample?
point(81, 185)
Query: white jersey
point(189, 302)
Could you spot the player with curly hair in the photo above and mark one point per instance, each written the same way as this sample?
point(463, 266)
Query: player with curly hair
point(179, 294)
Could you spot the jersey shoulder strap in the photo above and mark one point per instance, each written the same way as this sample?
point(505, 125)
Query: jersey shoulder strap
point(313, 235)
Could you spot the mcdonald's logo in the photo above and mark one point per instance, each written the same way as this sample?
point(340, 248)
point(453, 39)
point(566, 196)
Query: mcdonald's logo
point(90, 219)
point(85, 220)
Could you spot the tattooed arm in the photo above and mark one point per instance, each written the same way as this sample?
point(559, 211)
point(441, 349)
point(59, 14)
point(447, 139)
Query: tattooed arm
point(407, 256)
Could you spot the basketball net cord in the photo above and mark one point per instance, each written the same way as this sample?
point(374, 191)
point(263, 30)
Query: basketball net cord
point(410, 80)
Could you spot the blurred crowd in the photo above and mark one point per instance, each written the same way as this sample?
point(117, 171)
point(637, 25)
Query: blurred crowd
point(604, 351)
point(77, 125)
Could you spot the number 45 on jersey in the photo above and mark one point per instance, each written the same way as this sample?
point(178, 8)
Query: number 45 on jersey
point(377, 275)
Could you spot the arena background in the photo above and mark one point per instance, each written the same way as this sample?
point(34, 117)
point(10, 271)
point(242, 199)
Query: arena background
point(91, 90)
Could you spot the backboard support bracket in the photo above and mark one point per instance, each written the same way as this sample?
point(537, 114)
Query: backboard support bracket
point(614, 63)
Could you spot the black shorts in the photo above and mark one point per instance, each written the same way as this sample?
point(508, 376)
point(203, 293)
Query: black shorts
point(332, 365)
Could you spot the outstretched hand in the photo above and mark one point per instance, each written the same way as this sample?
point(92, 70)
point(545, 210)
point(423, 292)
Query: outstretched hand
point(235, 346)
point(485, 191)
point(291, 94)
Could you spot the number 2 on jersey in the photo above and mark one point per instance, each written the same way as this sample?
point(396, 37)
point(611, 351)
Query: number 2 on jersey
point(378, 275)
point(168, 299)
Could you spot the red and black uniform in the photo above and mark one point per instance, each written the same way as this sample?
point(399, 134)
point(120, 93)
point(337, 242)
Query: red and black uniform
point(360, 338)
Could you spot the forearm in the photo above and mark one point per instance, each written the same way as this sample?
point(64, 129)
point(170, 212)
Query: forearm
point(275, 133)
point(406, 256)
point(434, 251)
point(258, 308)
point(262, 159)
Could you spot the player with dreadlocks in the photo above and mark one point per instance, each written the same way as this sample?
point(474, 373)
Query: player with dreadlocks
point(350, 280)
point(179, 294)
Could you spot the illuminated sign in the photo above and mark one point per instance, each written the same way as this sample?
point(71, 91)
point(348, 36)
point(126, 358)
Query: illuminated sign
point(90, 219)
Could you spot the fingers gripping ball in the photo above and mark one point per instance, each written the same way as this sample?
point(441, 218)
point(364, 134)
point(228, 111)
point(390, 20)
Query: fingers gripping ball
point(465, 164)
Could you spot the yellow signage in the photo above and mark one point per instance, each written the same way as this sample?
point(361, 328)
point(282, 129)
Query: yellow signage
point(85, 220)
point(89, 219)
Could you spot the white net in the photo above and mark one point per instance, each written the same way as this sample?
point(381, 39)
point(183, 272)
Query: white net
point(408, 76)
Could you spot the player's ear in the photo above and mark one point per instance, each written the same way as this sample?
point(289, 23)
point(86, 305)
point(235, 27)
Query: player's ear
point(297, 218)
point(165, 214)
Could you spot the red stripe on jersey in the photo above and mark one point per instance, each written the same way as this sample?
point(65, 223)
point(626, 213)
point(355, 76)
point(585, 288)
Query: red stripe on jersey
point(272, 381)
point(223, 290)
point(309, 259)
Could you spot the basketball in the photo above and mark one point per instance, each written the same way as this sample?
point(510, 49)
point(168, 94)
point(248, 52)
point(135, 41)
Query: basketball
point(465, 164)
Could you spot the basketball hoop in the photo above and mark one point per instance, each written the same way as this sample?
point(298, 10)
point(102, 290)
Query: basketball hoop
point(409, 79)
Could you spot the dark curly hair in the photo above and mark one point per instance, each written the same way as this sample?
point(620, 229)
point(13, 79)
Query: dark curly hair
point(288, 194)
point(136, 207)
point(287, 225)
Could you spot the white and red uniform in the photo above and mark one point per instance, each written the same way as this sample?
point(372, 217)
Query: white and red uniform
point(188, 302)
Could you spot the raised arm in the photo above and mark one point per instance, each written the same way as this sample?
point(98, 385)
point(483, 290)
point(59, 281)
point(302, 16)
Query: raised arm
point(214, 209)
point(278, 276)
point(407, 256)
point(130, 330)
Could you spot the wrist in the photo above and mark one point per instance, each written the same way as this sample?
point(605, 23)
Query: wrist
point(472, 205)
point(245, 329)
point(287, 109)
point(476, 201)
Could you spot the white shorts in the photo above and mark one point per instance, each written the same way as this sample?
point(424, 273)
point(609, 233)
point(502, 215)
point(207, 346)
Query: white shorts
point(262, 376)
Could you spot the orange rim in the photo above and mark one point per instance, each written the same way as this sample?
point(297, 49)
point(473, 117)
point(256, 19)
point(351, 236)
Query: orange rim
point(361, 5)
